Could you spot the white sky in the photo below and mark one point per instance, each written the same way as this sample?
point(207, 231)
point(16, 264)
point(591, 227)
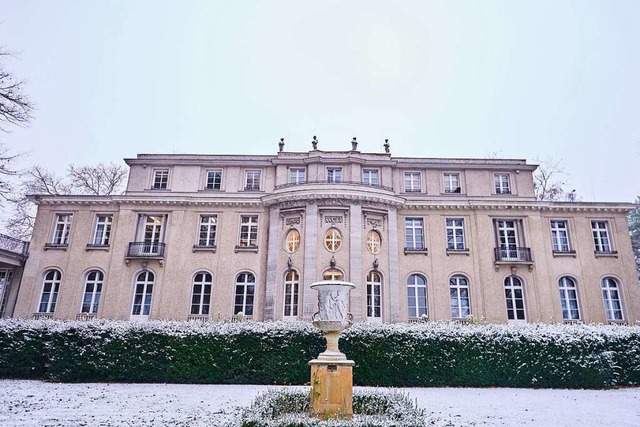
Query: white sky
point(526, 79)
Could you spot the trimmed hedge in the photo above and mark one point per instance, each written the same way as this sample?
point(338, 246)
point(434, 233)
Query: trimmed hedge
point(399, 355)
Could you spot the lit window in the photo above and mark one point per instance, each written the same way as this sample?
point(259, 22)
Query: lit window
point(62, 228)
point(248, 230)
point(374, 296)
point(459, 297)
point(569, 299)
point(333, 240)
point(455, 234)
point(245, 290)
point(92, 291)
point(332, 274)
point(160, 179)
point(560, 236)
point(452, 183)
point(214, 180)
point(201, 293)
point(414, 233)
point(412, 182)
point(374, 242)
point(514, 294)
point(370, 177)
point(208, 228)
point(334, 175)
point(611, 298)
point(292, 241)
point(252, 180)
point(50, 288)
point(297, 176)
point(417, 296)
point(600, 230)
point(103, 230)
point(291, 291)
point(142, 297)
point(501, 183)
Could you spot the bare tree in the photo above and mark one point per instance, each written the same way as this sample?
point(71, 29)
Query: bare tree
point(15, 107)
point(634, 233)
point(548, 183)
point(99, 180)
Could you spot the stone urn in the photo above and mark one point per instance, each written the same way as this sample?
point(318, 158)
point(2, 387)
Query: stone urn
point(332, 316)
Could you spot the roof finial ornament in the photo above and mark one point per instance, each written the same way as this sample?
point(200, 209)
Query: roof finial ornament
point(386, 146)
point(281, 144)
point(314, 143)
point(354, 144)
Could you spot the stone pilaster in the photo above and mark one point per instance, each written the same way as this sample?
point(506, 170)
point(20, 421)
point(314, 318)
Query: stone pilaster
point(310, 242)
point(272, 265)
point(394, 285)
point(358, 297)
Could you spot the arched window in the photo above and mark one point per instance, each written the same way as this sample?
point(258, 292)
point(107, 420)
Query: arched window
point(92, 291)
point(459, 297)
point(201, 293)
point(333, 240)
point(417, 296)
point(514, 295)
point(332, 274)
point(569, 298)
point(142, 296)
point(374, 296)
point(611, 298)
point(291, 291)
point(374, 242)
point(245, 290)
point(292, 242)
point(50, 288)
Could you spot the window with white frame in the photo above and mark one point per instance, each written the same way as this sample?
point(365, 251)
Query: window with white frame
point(334, 175)
point(333, 240)
point(61, 229)
point(569, 298)
point(560, 236)
point(509, 239)
point(5, 285)
point(452, 183)
point(374, 242)
point(208, 229)
point(374, 296)
point(501, 183)
point(297, 175)
point(412, 182)
point(611, 299)
point(50, 289)
point(248, 231)
point(417, 296)
point(92, 292)
point(102, 232)
point(292, 241)
point(459, 297)
point(201, 293)
point(244, 293)
point(214, 180)
point(414, 233)
point(370, 177)
point(514, 295)
point(332, 274)
point(601, 241)
point(455, 234)
point(252, 180)
point(160, 179)
point(150, 235)
point(142, 295)
point(291, 292)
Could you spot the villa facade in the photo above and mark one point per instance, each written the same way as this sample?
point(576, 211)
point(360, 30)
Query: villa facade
point(211, 236)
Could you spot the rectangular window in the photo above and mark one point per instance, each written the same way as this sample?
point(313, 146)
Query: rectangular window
point(452, 183)
point(208, 226)
point(600, 230)
point(149, 236)
point(102, 232)
point(297, 175)
point(560, 236)
point(252, 180)
point(160, 179)
point(455, 234)
point(510, 241)
point(412, 182)
point(414, 233)
point(334, 175)
point(370, 177)
point(61, 230)
point(214, 180)
point(501, 183)
point(248, 230)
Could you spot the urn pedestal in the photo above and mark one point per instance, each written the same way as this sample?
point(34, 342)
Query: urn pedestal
point(331, 372)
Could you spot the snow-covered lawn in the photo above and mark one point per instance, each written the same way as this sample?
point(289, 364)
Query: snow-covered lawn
point(36, 403)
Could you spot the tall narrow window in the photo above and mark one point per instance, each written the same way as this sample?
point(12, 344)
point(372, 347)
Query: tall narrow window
point(414, 233)
point(333, 240)
point(201, 294)
point(569, 298)
point(501, 183)
point(459, 297)
point(455, 234)
point(142, 296)
point(374, 242)
point(252, 180)
point(297, 175)
point(600, 230)
point(248, 231)
point(92, 291)
point(514, 295)
point(508, 243)
point(292, 241)
point(611, 298)
point(62, 228)
point(50, 288)
point(291, 292)
point(560, 236)
point(417, 296)
point(160, 179)
point(370, 177)
point(103, 230)
point(245, 289)
point(150, 235)
point(334, 175)
point(208, 228)
point(412, 182)
point(452, 183)
point(214, 180)
point(374, 296)
point(5, 286)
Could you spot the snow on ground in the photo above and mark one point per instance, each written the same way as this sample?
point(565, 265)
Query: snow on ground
point(36, 403)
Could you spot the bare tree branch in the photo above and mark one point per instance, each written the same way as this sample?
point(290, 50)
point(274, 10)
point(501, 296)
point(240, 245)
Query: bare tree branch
point(100, 180)
point(15, 106)
point(547, 180)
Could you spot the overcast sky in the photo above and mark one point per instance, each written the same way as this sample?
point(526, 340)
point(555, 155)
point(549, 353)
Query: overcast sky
point(514, 79)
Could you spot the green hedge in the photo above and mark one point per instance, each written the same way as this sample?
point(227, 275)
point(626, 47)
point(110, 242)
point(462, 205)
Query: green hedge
point(424, 354)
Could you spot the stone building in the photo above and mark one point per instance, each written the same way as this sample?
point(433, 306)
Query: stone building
point(211, 236)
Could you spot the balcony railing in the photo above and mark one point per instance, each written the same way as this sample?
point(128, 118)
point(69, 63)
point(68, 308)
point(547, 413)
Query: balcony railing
point(145, 250)
point(359, 183)
point(513, 255)
point(14, 246)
